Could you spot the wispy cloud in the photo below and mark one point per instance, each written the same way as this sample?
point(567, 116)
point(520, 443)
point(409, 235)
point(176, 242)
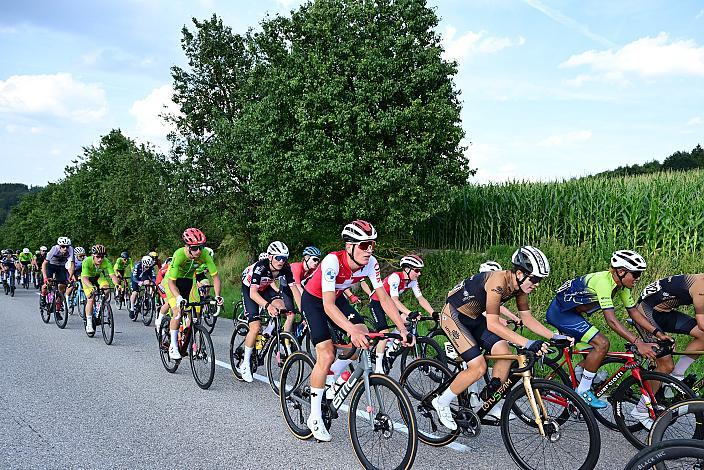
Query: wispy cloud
point(566, 139)
point(700, 14)
point(568, 22)
point(149, 111)
point(472, 43)
point(695, 121)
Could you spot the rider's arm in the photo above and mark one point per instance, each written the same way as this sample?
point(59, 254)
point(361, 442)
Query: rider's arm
point(44, 265)
point(366, 288)
point(509, 314)
point(617, 326)
point(494, 290)
point(641, 320)
point(528, 319)
point(390, 308)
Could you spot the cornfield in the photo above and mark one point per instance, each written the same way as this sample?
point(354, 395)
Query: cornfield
point(663, 211)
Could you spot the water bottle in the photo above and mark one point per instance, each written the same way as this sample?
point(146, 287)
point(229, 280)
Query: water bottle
point(259, 342)
point(329, 384)
point(392, 347)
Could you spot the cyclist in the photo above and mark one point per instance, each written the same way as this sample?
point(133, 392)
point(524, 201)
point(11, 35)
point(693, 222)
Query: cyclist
point(324, 305)
point(9, 262)
point(258, 293)
point(657, 305)
point(94, 273)
point(395, 284)
point(301, 270)
point(470, 331)
point(157, 262)
point(595, 292)
point(202, 272)
point(39, 257)
point(180, 277)
point(162, 293)
point(59, 263)
point(142, 275)
point(79, 253)
point(122, 264)
point(494, 266)
point(25, 259)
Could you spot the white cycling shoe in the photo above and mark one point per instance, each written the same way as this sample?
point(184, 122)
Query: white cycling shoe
point(246, 374)
point(174, 353)
point(445, 415)
point(643, 417)
point(89, 327)
point(319, 430)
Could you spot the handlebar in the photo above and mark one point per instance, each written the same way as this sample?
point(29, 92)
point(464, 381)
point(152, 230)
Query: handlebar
point(371, 337)
point(662, 348)
point(532, 358)
point(202, 303)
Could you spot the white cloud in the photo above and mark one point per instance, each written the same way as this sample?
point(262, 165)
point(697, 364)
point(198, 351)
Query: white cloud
point(567, 21)
point(566, 139)
point(148, 112)
point(56, 152)
point(58, 95)
point(645, 57)
point(700, 14)
point(695, 121)
point(471, 43)
point(289, 3)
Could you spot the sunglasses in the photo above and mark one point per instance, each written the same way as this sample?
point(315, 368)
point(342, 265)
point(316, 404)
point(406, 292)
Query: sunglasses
point(635, 274)
point(280, 258)
point(535, 279)
point(63, 247)
point(196, 247)
point(99, 256)
point(366, 245)
point(418, 271)
point(314, 259)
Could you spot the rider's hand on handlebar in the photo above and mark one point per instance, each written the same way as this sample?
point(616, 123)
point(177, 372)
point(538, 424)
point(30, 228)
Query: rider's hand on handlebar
point(358, 336)
point(180, 301)
point(537, 346)
point(664, 337)
point(273, 311)
point(219, 300)
point(559, 337)
point(646, 350)
point(405, 335)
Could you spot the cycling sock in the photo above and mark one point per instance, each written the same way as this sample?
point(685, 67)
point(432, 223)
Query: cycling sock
point(247, 357)
point(446, 398)
point(174, 337)
point(379, 369)
point(316, 402)
point(682, 366)
point(586, 382)
point(339, 366)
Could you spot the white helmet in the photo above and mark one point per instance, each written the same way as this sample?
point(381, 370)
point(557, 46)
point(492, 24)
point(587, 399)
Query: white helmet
point(358, 231)
point(147, 261)
point(412, 261)
point(79, 250)
point(25, 250)
point(263, 255)
point(489, 266)
point(531, 261)
point(277, 249)
point(43, 248)
point(628, 260)
point(210, 251)
point(63, 241)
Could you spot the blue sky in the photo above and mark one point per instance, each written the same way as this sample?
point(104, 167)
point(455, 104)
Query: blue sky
point(550, 89)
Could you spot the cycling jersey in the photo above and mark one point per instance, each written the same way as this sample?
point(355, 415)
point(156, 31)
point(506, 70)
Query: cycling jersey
point(25, 258)
point(300, 273)
point(183, 267)
point(122, 264)
point(335, 275)
point(89, 269)
point(469, 296)
point(260, 274)
point(140, 273)
point(395, 285)
point(59, 258)
point(9, 262)
point(665, 295)
point(591, 293)
point(40, 259)
point(159, 278)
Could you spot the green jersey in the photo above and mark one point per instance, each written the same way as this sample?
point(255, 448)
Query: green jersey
point(183, 267)
point(26, 257)
point(89, 269)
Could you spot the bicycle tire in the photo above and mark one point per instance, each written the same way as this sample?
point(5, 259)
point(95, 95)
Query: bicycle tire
point(147, 310)
point(82, 304)
point(164, 342)
point(384, 424)
point(422, 380)
point(667, 451)
point(107, 322)
point(44, 310)
point(683, 420)
point(208, 318)
point(454, 364)
point(237, 349)
point(295, 393)
point(201, 350)
point(427, 347)
point(633, 430)
point(60, 317)
point(276, 355)
point(565, 401)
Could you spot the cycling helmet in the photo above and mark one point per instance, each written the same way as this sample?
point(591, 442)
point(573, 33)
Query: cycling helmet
point(358, 231)
point(193, 236)
point(312, 251)
point(628, 260)
point(98, 250)
point(412, 261)
point(79, 250)
point(489, 266)
point(43, 248)
point(17, 252)
point(147, 261)
point(37, 252)
point(263, 255)
point(277, 249)
point(168, 260)
point(63, 241)
point(154, 254)
point(210, 252)
point(531, 261)
point(125, 255)
point(25, 250)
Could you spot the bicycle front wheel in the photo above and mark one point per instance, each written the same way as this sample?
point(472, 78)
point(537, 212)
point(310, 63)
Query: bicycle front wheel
point(280, 348)
point(209, 319)
point(382, 425)
point(237, 349)
point(147, 310)
point(60, 310)
point(44, 310)
point(164, 343)
point(202, 355)
point(107, 324)
point(295, 393)
point(684, 420)
point(687, 453)
point(570, 435)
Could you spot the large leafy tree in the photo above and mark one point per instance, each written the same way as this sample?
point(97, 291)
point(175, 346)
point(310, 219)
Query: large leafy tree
point(345, 109)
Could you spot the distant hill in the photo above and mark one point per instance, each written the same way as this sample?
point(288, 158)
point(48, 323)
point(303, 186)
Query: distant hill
point(678, 161)
point(10, 194)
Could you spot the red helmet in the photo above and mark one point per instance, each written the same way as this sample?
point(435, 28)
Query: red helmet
point(358, 231)
point(193, 236)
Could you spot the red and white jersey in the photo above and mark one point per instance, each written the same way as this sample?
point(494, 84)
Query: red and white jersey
point(395, 285)
point(300, 274)
point(334, 275)
point(261, 275)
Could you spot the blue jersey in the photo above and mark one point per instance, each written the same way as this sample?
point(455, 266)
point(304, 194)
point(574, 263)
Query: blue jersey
point(139, 273)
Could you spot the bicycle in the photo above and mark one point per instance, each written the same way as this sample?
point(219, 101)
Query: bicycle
point(77, 299)
point(122, 296)
point(193, 341)
point(273, 346)
point(683, 420)
point(145, 304)
point(210, 313)
point(37, 278)
point(102, 315)
point(9, 284)
point(54, 302)
point(380, 414)
point(25, 278)
point(548, 411)
point(688, 453)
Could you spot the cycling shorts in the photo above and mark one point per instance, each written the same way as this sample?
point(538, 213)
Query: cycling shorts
point(185, 286)
point(571, 323)
point(60, 273)
point(25, 263)
point(674, 322)
point(319, 323)
point(200, 277)
point(379, 315)
point(251, 308)
point(469, 336)
point(96, 281)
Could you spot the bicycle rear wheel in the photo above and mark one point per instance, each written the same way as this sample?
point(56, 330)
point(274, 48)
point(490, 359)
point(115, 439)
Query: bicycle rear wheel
point(687, 453)
point(165, 341)
point(382, 425)
point(424, 348)
point(82, 304)
point(44, 310)
point(60, 309)
point(278, 351)
point(571, 435)
point(202, 356)
point(295, 393)
point(683, 420)
point(237, 349)
point(107, 324)
point(147, 310)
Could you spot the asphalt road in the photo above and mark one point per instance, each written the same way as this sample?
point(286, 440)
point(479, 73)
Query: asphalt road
point(69, 401)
